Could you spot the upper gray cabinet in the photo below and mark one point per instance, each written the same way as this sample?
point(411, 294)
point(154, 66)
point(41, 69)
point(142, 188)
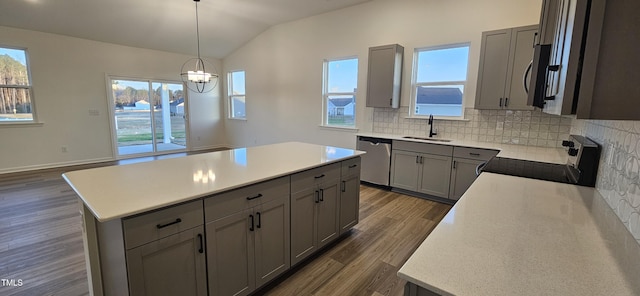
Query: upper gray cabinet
point(505, 56)
point(384, 76)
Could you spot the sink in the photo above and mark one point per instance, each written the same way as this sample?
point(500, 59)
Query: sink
point(427, 139)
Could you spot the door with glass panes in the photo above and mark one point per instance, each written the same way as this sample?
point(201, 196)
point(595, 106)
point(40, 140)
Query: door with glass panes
point(149, 117)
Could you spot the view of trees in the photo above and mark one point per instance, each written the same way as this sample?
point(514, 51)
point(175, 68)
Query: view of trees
point(128, 96)
point(13, 100)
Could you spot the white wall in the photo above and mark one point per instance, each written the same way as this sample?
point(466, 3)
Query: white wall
point(69, 79)
point(284, 64)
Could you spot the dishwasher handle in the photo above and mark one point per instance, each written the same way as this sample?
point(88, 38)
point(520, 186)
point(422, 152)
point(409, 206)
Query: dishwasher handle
point(480, 167)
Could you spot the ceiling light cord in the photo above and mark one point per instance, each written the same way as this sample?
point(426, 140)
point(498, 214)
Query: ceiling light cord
point(197, 28)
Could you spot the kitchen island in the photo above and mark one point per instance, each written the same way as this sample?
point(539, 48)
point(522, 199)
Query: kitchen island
point(515, 236)
point(147, 226)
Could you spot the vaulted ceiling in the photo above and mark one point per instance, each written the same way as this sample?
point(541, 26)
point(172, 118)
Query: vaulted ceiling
point(167, 25)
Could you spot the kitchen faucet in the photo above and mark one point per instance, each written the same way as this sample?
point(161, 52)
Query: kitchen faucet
point(431, 133)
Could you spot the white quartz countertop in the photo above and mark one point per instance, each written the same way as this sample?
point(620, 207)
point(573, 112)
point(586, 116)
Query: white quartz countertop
point(531, 153)
point(516, 236)
point(120, 191)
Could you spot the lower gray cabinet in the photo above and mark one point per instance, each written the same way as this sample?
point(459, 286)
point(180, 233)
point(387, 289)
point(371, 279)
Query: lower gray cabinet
point(174, 265)
point(463, 173)
point(314, 210)
point(422, 172)
point(434, 175)
point(349, 194)
point(248, 248)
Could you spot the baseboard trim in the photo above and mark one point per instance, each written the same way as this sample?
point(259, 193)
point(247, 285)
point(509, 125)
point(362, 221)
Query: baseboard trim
point(55, 165)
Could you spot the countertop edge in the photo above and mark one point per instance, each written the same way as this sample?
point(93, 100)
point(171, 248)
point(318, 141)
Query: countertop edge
point(105, 218)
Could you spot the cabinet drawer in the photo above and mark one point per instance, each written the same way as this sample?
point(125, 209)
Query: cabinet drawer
point(444, 150)
point(474, 153)
point(313, 177)
point(351, 167)
point(139, 230)
point(230, 202)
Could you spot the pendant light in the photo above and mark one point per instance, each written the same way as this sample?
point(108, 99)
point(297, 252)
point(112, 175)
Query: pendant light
point(198, 73)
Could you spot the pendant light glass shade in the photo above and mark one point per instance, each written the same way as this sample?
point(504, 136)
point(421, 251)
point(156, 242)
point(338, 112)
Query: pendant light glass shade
point(197, 73)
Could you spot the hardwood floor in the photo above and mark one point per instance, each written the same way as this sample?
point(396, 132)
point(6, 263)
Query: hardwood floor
point(41, 242)
point(366, 261)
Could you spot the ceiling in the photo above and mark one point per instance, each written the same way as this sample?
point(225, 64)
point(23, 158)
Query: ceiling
point(167, 25)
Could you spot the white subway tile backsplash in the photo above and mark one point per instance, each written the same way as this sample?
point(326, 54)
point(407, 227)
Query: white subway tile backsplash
point(499, 126)
point(619, 170)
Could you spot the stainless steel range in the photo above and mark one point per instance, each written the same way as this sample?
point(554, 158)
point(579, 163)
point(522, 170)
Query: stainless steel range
point(581, 167)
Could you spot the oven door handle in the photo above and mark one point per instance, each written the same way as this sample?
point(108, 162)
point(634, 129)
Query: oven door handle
point(480, 167)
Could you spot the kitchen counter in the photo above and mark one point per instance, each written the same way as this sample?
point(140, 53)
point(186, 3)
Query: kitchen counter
point(120, 191)
point(516, 236)
point(539, 154)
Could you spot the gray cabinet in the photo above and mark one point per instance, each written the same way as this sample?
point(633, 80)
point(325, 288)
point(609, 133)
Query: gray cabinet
point(349, 194)
point(384, 76)
point(174, 265)
point(165, 251)
point(505, 56)
point(463, 169)
point(435, 175)
point(421, 167)
point(247, 237)
point(314, 210)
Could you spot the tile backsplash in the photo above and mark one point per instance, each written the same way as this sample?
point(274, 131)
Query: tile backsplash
point(532, 128)
point(619, 170)
point(618, 173)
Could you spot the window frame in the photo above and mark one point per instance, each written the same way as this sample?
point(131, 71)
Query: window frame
point(231, 96)
point(29, 88)
point(326, 94)
point(415, 84)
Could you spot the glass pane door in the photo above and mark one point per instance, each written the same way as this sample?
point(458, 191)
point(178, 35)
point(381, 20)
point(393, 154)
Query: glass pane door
point(143, 106)
point(169, 116)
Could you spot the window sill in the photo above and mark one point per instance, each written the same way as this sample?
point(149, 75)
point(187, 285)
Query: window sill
point(339, 128)
point(21, 124)
point(238, 119)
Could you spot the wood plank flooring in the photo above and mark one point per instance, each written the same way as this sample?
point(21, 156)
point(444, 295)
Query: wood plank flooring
point(366, 261)
point(41, 242)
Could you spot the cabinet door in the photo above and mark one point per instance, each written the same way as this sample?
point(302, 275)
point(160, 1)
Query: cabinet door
point(404, 169)
point(522, 39)
point(492, 73)
point(462, 175)
point(435, 175)
point(327, 214)
point(230, 257)
point(303, 227)
point(349, 203)
point(174, 265)
point(383, 77)
point(272, 240)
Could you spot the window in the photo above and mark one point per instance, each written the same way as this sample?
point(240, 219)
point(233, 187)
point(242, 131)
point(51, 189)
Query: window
point(339, 93)
point(16, 96)
point(237, 95)
point(439, 78)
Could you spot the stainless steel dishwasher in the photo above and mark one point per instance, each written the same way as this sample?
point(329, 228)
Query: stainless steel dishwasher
point(377, 161)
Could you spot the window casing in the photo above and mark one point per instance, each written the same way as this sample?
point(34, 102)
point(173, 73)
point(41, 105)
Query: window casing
point(439, 80)
point(340, 82)
point(237, 94)
point(16, 94)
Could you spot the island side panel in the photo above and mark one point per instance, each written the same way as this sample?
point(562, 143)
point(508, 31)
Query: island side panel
point(112, 257)
point(91, 254)
point(105, 255)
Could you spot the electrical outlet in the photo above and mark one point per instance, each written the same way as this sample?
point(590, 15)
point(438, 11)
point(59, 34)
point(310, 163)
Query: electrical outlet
point(63, 149)
point(500, 126)
point(94, 112)
point(198, 138)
